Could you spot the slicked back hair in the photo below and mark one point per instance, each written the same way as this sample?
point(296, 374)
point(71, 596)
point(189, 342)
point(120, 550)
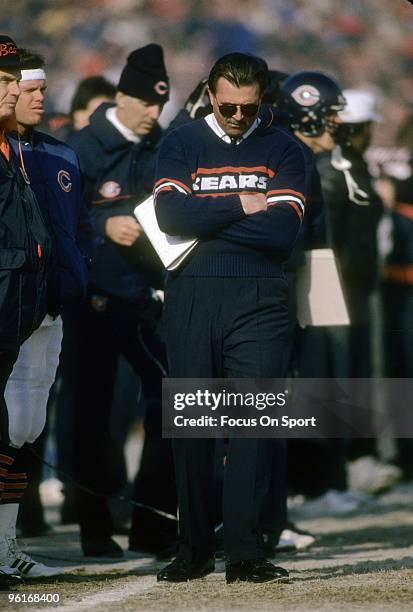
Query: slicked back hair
point(239, 69)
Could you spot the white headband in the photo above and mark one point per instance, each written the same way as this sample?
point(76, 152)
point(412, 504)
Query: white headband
point(33, 75)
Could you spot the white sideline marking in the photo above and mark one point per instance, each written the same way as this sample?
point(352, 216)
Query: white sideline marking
point(109, 595)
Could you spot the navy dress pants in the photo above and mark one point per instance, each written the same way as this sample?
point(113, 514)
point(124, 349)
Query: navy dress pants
point(224, 328)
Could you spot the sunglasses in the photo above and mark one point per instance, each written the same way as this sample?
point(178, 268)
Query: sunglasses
point(247, 110)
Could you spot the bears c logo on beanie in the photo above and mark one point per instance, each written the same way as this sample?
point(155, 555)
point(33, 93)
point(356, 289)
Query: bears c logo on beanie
point(145, 76)
point(161, 88)
point(9, 54)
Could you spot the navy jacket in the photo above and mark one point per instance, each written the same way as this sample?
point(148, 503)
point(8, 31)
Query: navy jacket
point(353, 211)
point(53, 171)
point(118, 174)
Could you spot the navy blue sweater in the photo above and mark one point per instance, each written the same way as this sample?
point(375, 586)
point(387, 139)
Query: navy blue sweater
point(197, 193)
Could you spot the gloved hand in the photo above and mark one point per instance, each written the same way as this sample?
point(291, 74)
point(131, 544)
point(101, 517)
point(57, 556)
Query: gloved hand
point(197, 104)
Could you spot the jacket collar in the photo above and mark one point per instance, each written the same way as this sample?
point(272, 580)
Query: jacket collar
point(215, 127)
point(125, 131)
point(110, 137)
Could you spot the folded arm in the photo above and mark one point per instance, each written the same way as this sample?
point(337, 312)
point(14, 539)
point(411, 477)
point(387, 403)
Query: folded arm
point(178, 209)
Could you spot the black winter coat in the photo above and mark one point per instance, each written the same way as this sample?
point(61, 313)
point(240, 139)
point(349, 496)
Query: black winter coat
point(25, 250)
point(353, 211)
point(118, 175)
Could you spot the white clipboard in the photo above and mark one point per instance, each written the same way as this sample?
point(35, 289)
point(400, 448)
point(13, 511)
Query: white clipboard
point(171, 250)
point(320, 298)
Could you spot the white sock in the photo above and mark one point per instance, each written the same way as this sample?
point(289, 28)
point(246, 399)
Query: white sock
point(8, 520)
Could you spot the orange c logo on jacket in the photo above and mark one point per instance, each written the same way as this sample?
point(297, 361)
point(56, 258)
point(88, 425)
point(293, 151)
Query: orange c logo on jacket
point(65, 180)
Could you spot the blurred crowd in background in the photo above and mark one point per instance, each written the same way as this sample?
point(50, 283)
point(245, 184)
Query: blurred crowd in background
point(366, 45)
point(361, 43)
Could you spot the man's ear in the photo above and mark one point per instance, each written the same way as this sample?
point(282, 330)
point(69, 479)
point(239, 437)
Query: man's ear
point(120, 99)
point(210, 96)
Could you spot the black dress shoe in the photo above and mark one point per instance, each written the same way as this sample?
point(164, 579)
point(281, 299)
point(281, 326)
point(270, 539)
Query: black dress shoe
point(255, 570)
point(181, 570)
point(101, 547)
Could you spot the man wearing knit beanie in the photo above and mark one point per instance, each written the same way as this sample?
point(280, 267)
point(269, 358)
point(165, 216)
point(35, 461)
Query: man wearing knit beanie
point(9, 94)
point(117, 153)
point(23, 305)
point(9, 88)
point(144, 75)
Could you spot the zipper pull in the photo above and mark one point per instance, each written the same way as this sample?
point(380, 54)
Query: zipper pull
point(39, 250)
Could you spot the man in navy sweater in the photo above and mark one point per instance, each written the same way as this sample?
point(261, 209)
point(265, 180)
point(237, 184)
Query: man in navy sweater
point(238, 186)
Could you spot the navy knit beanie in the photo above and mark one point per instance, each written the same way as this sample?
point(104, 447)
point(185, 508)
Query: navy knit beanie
point(144, 75)
point(9, 54)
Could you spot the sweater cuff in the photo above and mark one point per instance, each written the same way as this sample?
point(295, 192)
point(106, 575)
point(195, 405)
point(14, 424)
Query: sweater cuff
point(99, 223)
point(100, 219)
point(237, 212)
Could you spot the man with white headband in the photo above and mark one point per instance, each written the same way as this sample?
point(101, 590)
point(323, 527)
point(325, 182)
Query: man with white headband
point(52, 170)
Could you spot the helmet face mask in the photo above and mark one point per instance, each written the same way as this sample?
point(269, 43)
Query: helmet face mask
point(308, 102)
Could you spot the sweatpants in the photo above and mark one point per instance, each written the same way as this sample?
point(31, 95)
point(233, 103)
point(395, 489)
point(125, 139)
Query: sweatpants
point(27, 390)
point(25, 403)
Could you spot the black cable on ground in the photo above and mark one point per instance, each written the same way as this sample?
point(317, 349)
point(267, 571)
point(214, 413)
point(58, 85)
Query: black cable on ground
point(122, 498)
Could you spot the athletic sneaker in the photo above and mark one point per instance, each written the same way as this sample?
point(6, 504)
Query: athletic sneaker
point(335, 503)
point(294, 539)
point(5, 570)
point(13, 558)
point(372, 477)
point(8, 577)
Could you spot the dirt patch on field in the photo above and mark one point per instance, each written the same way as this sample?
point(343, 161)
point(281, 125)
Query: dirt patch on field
point(359, 562)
